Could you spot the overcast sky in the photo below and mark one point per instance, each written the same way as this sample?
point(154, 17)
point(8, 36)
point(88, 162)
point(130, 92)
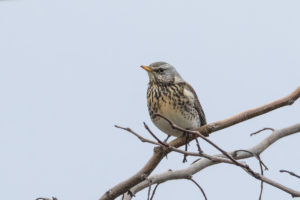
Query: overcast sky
point(69, 71)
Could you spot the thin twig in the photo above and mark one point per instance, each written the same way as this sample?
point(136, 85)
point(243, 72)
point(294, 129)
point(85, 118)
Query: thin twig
point(153, 193)
point(142, 139)
point(149, 190)
point(201, 189)
point(289, 172)
point(197, 154)
point(254, 154)
point(153, 135)
point(261, 182)
point(261, 130)
point(261, 165)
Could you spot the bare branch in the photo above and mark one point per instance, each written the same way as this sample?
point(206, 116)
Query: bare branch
point(289, 172)
point(158, 155)
point(248, 114)
point(244, 166)
point(292, 192)
point(149, 190)
point(153, 193)
point(203, 163)
point(254, 155)
point(196, 133)
point(153, 135)
point(261, 130)
point(200, 188)
point(261, 182)
point(142, 139)
point(261, 165)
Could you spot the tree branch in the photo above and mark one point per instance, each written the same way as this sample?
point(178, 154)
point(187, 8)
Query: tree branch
point(153, 193)
point(161, 144)
point(159, 153)
point(200, 188)
point(291, 173)
point(203, 163)
point(261, 130)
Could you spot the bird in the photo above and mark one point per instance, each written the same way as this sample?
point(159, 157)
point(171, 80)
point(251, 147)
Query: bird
point(169, 95)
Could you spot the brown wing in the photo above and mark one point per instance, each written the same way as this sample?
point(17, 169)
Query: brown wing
point(197, 104)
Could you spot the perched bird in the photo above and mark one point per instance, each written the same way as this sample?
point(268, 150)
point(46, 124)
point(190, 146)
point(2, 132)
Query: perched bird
point(170, 96)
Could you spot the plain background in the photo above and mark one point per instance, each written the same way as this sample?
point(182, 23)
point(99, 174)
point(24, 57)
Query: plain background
point(69, 71)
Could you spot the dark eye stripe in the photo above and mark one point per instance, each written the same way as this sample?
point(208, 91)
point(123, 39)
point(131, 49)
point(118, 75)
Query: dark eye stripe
point(159, 70)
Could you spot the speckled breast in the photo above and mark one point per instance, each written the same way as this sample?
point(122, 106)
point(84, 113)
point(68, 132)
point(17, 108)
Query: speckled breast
point(171, 102)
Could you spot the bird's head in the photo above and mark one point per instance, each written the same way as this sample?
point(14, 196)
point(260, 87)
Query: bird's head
point(162, 73)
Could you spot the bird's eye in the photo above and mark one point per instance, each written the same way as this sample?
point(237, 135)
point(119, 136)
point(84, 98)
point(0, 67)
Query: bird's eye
point(160, 70)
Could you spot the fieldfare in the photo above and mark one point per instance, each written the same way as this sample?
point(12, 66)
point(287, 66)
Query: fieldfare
point(170, 96)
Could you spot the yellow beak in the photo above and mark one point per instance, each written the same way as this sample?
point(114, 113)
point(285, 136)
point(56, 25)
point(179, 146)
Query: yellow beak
point(148, 69)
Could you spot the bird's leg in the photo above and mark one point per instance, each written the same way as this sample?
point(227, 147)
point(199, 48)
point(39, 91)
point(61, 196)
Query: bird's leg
point(198, 146)
point(187, 138)
point(165, 141)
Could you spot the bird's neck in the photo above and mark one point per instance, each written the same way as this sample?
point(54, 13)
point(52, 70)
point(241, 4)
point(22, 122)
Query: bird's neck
point(160, 84)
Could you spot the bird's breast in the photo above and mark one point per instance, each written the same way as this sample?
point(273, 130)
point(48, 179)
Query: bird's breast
point(171, 103)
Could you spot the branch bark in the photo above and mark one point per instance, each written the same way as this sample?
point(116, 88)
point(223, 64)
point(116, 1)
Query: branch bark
point(159, 153)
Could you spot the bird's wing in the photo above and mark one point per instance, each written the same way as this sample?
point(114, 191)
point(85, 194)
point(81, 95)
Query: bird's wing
point(196, 103)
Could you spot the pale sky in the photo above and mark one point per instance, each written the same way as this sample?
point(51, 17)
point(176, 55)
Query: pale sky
point(69, 71)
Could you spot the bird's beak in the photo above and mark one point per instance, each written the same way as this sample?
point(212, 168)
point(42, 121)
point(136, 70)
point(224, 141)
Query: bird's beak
point(148, 69)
